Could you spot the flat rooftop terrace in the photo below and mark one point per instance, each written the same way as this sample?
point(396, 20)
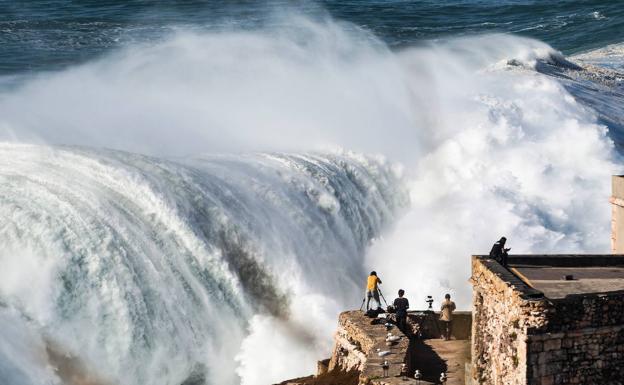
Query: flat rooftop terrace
point(590, 274)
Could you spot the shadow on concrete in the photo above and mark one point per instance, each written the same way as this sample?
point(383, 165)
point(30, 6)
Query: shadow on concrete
point(422, 357)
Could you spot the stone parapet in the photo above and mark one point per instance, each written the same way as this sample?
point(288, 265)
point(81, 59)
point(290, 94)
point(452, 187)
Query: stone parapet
point(505, 311)
point(585, 356)
point(588, 310)
point(521, 336)
point(357, 344)
point(427, 324)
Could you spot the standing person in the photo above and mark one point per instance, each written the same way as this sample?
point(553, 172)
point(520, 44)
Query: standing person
point(448, 307)
point(499, 252)
point(401, 305)
point(372, 289)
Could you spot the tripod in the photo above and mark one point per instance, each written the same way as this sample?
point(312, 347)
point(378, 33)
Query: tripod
point(382, 297)
point(430, 317)
point(380, 294)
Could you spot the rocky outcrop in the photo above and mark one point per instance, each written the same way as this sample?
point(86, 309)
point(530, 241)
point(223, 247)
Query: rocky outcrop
point(359, 341)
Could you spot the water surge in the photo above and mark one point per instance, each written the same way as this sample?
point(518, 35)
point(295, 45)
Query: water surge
point(175, 267)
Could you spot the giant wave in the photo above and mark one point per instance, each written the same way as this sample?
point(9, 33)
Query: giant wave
point(133, 269)
point(143, 268)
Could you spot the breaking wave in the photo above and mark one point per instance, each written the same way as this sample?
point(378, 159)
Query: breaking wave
point(135, 269)
point(148, 270)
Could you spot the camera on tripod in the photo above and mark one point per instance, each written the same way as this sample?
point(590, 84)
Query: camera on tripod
point(429, 300)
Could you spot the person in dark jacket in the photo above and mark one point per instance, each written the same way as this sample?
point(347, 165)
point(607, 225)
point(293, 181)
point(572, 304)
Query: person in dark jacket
point(401, 305)
point(499, 252)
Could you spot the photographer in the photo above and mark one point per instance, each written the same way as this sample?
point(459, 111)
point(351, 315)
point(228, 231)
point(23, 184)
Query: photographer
point(499, 252)
point(446, 316)
point(372, 290)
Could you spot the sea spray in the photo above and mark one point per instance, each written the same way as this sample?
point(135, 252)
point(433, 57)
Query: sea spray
point(151, 271)
point(232, 268)
point(511, 153)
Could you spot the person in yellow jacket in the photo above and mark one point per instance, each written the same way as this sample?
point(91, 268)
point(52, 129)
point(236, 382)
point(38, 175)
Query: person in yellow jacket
point(372, 290)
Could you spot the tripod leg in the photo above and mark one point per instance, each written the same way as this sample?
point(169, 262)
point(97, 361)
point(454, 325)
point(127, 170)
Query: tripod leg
point(384, 298)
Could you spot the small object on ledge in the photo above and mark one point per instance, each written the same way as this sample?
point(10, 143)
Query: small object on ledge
point(383, 353)
point(568, 277)
point(385, 367)
point(417, 376)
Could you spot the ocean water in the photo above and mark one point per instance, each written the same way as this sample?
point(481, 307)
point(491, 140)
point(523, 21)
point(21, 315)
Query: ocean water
point(191, 192)
point(43, 35)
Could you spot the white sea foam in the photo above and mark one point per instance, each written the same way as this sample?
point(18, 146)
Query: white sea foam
point(598, 16)
point(149, 271)
point(611, 56)
point(487, 148)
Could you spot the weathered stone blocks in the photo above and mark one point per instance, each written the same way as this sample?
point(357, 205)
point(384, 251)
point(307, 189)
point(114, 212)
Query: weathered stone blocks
point(522, 338)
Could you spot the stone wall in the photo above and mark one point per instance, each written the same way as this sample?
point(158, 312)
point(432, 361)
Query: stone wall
point(587, 310)
point(428, 325)
point(584, 343)
point(521, 337)
point(505, 312)
point(351, 344)
point(357, 341)
point(589, 356)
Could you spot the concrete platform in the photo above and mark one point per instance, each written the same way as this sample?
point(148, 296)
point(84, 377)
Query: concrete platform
point(434, 356)
point(456, 354)
point(586, 280)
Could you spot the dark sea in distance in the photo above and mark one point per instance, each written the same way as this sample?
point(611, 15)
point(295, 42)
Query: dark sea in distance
point(48, 35)
point(145, 240)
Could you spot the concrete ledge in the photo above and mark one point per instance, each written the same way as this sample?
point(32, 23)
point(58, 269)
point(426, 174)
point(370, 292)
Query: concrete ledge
point(524, 290)
point(567, 260)
point(430, 325)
